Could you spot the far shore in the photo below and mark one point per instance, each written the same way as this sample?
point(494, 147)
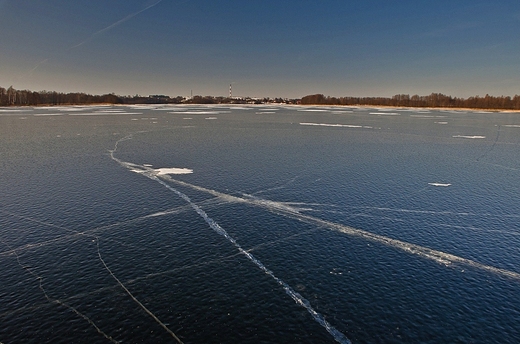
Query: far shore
point(422, 108)
point(386, 107)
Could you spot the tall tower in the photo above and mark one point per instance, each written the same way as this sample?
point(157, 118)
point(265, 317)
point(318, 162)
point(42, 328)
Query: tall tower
point(230, 91)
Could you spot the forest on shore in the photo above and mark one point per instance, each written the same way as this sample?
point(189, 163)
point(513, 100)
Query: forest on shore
point(433, 100)
point(14, 97)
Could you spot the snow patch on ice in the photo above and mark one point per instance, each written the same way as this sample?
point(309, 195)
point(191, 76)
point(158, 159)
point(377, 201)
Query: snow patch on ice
point(469, 136)
point(440, 184)
point(335, 125)
point(172, 170)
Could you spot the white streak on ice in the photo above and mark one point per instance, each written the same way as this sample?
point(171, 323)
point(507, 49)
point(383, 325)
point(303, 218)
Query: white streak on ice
point(439, 184)
point(512, 125)
point(299, 299)
point(198, 112)
point(292, 212)
point(14, 110)
point(173, 170)
point(385, 113)
point(111, 111)
point(337, 125)
point(105, 113)
point(469, 136)
point(286, 210)
point(333, 125)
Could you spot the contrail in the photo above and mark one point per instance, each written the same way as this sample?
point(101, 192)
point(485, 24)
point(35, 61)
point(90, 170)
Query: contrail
point(110, 27)
point(117, 23)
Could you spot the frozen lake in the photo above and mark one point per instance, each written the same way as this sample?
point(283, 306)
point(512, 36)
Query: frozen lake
point(259, 224)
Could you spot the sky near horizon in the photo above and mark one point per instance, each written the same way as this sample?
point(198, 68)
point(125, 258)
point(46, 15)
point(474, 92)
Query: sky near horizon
point(264, 48)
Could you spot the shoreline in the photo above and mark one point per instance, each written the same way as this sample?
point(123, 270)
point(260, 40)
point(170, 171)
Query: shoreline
point(386, 107)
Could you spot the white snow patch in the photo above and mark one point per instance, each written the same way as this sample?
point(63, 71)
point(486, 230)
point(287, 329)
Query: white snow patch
point(469, 136)
point(335, 125)
point(198, 112)
point(173, 170)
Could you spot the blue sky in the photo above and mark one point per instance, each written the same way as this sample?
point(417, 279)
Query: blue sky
point(265, 48)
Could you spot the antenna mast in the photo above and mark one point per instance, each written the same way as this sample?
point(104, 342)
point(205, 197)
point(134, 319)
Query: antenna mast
point(230, 91)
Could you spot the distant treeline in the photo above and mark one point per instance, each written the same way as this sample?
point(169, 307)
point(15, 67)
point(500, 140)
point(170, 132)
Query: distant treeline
point(13, 97)
point(433, 100)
